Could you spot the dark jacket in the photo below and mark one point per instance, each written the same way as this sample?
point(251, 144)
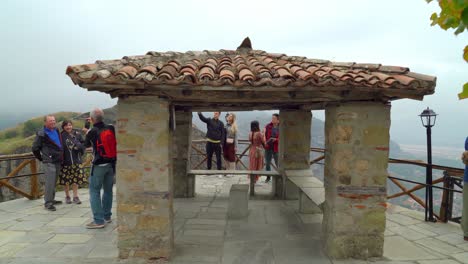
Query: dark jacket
point(73, 148)
point(215, 128)
point(45, 149)
point(90, 140)
point(268, 135)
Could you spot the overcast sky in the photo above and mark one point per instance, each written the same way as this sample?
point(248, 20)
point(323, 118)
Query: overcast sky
point(40, 38)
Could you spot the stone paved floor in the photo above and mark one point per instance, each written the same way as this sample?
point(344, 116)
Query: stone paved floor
point(273, 233)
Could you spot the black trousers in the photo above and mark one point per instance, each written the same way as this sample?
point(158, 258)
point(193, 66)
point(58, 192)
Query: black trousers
point(216, 148)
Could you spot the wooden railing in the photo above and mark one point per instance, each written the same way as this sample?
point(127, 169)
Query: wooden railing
point(452, 177)
point(27, 161)
point(239, 156)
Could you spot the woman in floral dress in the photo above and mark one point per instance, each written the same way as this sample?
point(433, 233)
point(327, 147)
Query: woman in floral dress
point(72, 168)
point(257, 151)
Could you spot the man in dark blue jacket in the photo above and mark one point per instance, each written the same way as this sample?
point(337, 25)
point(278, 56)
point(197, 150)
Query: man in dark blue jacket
point(47, 147)
point(214, 138)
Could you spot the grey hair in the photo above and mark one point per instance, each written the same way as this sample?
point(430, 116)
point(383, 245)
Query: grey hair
point(97, 115)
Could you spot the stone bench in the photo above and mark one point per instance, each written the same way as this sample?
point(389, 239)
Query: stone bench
point(236, 172)
point(311, 190)
point(238, 201)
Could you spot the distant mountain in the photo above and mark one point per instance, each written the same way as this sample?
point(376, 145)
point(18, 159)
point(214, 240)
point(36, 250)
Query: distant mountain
point(263, 117)
point(8, 120)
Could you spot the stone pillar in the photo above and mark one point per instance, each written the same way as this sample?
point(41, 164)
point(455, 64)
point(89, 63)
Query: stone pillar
point(144, 178)
point(356, 158)
point(184, 185)
point(294, 147)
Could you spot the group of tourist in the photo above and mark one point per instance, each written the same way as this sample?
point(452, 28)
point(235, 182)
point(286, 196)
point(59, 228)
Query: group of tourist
point(61, 154)
point(221, 138)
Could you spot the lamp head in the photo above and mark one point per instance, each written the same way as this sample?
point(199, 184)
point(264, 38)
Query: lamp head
point(428, 117)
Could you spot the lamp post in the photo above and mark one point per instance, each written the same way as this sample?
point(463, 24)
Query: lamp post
point(428, 118)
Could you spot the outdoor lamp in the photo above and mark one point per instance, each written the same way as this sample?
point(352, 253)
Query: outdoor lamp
point(428, 117)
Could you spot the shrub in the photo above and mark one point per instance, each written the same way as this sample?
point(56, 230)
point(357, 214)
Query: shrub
point(10, 134)
point(31, 126)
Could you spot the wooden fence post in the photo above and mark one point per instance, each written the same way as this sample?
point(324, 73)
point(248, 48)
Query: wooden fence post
point(34, 180)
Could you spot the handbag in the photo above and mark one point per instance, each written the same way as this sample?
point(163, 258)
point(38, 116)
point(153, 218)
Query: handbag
point(229, 140)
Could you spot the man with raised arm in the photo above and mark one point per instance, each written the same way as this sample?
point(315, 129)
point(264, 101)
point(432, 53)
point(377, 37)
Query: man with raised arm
point(214, 138)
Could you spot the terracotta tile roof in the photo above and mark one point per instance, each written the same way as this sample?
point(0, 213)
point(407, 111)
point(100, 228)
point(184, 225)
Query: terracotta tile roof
point(246, 67)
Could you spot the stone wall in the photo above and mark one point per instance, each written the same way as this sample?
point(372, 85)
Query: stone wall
point(294, 148)
point(144, 182)
point(184, 185)
point(357, 143)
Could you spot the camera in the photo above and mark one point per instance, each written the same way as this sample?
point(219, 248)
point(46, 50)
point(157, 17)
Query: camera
point(87, 124)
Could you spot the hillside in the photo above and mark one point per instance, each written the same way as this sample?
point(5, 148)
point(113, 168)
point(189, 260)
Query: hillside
point(19, 139)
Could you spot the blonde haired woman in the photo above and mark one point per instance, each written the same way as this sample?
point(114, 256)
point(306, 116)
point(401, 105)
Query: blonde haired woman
point(230, 144)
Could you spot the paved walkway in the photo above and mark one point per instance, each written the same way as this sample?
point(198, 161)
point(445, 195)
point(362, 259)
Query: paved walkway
point(273, 233)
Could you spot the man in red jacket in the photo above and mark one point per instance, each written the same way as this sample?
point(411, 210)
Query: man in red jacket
point(271, 139)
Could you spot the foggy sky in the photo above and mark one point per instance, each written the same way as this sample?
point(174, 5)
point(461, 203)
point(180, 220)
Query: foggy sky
point(41, 38)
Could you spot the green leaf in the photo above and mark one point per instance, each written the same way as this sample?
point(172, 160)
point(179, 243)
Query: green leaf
point(451, 22)
point(428, 1)
point(464, 93)
point(460, 29)
point(460, 4)
point(465, 53)
point(464, 16)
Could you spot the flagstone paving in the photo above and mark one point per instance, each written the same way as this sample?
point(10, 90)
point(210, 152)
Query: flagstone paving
point(274, 232)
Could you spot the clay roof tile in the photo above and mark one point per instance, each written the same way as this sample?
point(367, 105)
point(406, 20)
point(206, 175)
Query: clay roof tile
point(206, 73)
point(246, 74)
point(148, 68)
point(127, 72)
point(246, 67)
point(227, 74)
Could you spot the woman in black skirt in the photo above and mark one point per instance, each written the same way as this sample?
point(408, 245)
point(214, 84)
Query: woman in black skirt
point(72, 168)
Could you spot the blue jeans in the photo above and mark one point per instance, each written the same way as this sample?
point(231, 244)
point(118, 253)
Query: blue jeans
point(269, 153)
point(102, 177)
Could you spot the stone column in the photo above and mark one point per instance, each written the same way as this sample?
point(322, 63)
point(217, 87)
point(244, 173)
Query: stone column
point(144, 178)
point(184, 185)
point(294, 147)
point(356, 158)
